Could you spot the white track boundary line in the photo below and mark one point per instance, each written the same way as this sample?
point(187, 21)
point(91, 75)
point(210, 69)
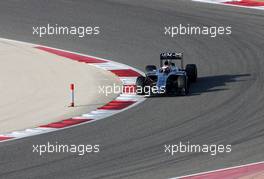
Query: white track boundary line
point(221, 2)
point(218, 170)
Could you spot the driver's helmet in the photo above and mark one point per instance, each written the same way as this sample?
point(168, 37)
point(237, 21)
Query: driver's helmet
point(166, 67)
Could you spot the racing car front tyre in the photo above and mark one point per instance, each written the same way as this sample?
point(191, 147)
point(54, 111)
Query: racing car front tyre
point(149, 68)
point(187, 87)
point(191, 70)
point(140, 84)
point(183, 85)
point(172, 85)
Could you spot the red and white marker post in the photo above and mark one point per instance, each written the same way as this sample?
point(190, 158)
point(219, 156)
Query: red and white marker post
point(72, 95)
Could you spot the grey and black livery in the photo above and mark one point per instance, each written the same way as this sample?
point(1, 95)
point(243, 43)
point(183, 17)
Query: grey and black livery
point(169, 78)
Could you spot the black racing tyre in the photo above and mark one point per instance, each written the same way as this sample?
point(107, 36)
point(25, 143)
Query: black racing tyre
point(183, 85)
point(149, 68)
point(140, 84)
point(187, 87)
point(172, 84)
point(191, 70)
point(181, 80)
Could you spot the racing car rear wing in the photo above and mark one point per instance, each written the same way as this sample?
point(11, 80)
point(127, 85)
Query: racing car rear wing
point(171, 56)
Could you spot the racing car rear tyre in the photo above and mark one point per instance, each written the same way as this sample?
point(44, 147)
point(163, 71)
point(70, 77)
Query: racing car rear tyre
point(149, 68)
point(191, 71)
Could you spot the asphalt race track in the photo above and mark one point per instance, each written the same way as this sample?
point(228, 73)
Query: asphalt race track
point(225, 107)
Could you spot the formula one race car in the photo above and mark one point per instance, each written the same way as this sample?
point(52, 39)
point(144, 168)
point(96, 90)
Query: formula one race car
point(168, 79)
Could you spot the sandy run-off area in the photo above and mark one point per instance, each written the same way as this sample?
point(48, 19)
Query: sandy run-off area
point(35, 87)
